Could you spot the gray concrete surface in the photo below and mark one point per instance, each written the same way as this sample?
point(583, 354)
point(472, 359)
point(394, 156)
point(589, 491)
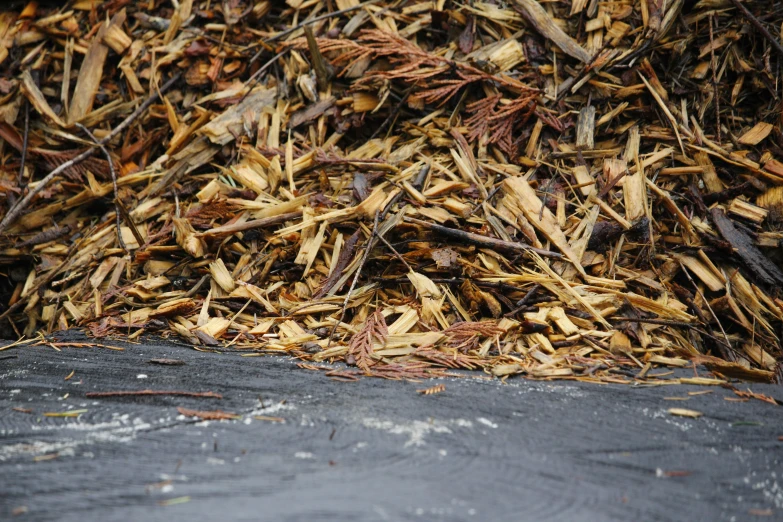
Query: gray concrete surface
point(371, 450)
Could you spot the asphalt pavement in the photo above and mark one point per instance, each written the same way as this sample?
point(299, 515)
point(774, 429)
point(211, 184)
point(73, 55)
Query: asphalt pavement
point(303, 447)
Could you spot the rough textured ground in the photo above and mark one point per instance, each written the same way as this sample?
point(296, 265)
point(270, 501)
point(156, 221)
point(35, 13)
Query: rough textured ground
point(370, 450)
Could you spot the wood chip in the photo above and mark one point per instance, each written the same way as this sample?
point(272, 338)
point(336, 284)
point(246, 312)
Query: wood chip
point(683, 412)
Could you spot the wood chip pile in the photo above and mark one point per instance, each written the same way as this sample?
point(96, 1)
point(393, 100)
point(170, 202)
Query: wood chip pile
point(574, 190)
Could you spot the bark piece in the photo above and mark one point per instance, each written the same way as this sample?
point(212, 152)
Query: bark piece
point(760, 266)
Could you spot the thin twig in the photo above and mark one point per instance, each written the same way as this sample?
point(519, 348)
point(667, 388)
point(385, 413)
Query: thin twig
point(117, 216)
point(498, 285)
point(129, 220)
point(394, 113)
point(15, 212)
point(253, 80)
point(662, 322)
point(706, 302)
point(314, 20)
point(44, 237)
point(417, 183)
point(715, 92)
point(370, 242)
point(227, 230)
point(669, 322)
point(24, 142)
point(203, 395)
point(394, 251)
point(58, 345)
point(755, 21)
point(45, 281)
point(522, 303)
point(566, 86)
point(484, 241)
point(186, 295)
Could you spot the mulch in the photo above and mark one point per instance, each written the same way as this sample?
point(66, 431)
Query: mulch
point(560, 190)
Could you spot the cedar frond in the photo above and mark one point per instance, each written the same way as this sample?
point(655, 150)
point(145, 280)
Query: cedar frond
point(360, 349)
point(414, 71)
point(500, 121)
point(454, 360)
point(443, 90)
point(411, 64)
point(432, 390)
point(484, 328)
point(465, 336)
point(550, 120)
point(343, 375)
point(482, 111)
point(408, 370)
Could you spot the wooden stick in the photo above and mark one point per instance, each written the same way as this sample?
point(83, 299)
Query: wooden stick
point(665, 110)
point(44, 237)
point(15, 212)
point(484, 241)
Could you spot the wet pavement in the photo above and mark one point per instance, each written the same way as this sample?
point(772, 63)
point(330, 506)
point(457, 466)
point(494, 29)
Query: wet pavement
point(309, 448)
